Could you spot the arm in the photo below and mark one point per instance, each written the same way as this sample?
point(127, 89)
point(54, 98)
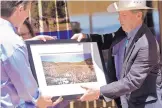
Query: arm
point(43, 37)
point(18, 70)
point(134, 79)
point(103, 41)
point(106, 41)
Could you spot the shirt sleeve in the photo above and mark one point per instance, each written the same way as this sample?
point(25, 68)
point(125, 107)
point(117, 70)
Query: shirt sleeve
point(142, 66)
point(18, 69)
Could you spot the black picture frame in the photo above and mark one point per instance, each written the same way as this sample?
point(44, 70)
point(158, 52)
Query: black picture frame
point(40, 45)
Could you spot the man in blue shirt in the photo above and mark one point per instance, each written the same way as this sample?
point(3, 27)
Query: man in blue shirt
point(18, 86)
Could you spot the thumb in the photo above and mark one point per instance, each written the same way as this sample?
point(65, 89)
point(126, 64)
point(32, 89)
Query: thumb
point(57, 101)
point(74, 36)
point(84, 87)
point(49, 37)
point(79, 38)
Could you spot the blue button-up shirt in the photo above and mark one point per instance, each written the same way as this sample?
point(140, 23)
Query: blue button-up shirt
point(118, 53)
point(120, 48)
point(18, 86)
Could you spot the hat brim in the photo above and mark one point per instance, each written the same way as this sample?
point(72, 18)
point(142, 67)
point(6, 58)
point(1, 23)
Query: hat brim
point(114, 7)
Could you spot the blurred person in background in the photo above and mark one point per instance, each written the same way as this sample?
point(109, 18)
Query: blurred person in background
point(26, 30)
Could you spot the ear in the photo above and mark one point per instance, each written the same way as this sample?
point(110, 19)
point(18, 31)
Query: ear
point(20, 8)
point(139, 15)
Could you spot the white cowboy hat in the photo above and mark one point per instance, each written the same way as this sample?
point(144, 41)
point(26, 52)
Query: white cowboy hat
point(127, 5)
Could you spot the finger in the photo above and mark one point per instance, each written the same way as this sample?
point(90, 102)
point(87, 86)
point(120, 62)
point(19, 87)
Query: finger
point(79, 38)
point(55, 37)
point(83, 98)
point(78, 99)
point(48, 37)
point(74, 36)
point(48, 97)
point(86, 97)
point(57, 101)
point(43, 38)
point(84, 87)
point(49, 103)
point(43, 102)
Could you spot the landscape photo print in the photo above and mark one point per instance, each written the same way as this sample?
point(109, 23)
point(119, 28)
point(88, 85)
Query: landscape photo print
point(69, 68)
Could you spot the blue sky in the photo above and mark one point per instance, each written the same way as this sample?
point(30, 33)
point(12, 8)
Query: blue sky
point(101, 22)
point(104, 22)
point(66, 57)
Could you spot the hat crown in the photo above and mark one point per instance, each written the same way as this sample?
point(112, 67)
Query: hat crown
point(127, 5)
point(131, 3)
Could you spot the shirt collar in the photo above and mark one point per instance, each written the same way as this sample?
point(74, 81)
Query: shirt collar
point(5, 22)
point(133, 32)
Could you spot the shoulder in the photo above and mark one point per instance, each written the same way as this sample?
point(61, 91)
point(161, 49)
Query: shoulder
point(148, 44)
point(10, 41)
point(147, 39)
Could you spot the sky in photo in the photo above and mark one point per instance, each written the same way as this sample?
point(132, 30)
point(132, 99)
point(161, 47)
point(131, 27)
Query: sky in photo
point(66, 57)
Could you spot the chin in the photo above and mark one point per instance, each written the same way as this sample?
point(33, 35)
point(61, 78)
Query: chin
point(124, 29)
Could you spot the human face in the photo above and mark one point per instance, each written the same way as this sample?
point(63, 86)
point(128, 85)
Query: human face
point(129, 20)
point(24, 32)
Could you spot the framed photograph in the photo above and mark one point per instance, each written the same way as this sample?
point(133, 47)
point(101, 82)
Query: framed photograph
point(60, 67)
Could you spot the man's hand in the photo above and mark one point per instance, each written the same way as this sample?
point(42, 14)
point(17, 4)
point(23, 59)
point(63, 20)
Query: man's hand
point(43, 37)
point(44, 102)
point(78, 36)
point(91, 94)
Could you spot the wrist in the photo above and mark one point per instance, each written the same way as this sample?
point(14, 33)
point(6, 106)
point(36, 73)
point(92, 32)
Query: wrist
point(35, 100)
point(101, 96)
point(98, 93)
point(87, 36)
